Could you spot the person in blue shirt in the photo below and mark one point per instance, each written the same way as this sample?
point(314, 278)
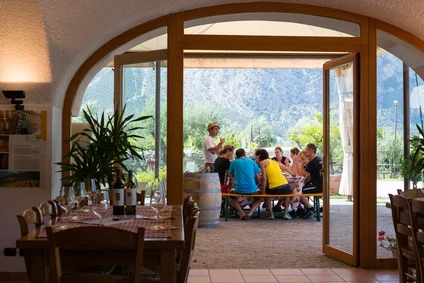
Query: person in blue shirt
point(246, 174)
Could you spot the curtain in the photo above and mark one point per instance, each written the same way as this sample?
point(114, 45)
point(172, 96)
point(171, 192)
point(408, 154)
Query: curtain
point(344, 82)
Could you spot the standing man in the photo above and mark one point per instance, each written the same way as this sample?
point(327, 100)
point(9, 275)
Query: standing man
point(210, 149)
point(313, 177)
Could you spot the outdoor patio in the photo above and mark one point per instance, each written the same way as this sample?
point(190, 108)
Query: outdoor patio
point(265, 244)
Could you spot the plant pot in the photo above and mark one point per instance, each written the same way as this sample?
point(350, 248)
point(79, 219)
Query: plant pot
point(394, 253)
point(335, 184)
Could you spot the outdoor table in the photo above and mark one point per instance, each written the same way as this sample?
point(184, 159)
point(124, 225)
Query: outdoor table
point(160, 246)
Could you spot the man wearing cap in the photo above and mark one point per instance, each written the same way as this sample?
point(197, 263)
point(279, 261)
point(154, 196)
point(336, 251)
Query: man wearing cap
point(210, 149)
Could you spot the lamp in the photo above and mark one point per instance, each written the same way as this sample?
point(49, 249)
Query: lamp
point(14, 94)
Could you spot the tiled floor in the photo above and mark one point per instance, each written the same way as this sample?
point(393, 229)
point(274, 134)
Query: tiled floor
point(352, 275)
point(292, 275)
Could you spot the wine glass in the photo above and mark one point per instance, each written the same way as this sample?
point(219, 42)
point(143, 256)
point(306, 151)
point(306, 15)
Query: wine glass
point(80, 193)
point(70, 204)
point(88, 192)
point(101, 206)
point(157, 203)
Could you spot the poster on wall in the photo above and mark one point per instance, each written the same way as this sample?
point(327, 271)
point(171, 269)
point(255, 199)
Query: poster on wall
point(22, 147)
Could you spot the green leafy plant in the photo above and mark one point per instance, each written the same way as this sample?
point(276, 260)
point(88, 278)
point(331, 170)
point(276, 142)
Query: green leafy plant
point(409, 168)
point(416, 166)
point(110, 145)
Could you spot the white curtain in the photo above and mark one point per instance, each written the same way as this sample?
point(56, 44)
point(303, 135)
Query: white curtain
point(344, 81)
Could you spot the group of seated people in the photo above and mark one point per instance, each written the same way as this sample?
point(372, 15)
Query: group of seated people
point(263, 175)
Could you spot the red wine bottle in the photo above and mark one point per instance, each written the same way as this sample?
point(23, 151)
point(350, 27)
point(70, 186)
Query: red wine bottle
point(130, 195)
point(118, 194)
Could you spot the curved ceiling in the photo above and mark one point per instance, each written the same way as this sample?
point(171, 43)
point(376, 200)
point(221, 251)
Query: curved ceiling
point(73, 30)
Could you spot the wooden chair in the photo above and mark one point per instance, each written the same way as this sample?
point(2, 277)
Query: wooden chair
point(412, 193)
point(47, 209)
point(189, 209)
point(190, 241)
point(406, 252)
point(183, 267)
point(188, 205)
point(29, 217)
point(417, 224)
point(95, 246)
point(58, 209)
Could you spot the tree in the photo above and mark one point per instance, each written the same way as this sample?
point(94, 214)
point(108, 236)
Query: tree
point(313, 133)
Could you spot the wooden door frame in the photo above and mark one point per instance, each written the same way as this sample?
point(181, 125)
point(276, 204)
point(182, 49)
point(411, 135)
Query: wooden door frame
point(327, 248)
point(177, 41)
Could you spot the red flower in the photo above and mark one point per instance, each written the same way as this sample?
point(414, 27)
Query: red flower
point(380, 239)
point(381, 233)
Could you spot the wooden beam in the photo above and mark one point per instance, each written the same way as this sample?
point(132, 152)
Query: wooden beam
point(272, 43)
point(175, 130)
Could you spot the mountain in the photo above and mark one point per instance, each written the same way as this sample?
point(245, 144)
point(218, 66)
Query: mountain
point(285, 98)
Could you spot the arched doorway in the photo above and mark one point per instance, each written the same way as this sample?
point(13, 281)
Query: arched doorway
point(178, 42)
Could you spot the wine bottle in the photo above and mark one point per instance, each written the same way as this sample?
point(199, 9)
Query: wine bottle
point(130, 195)
point(118, 194)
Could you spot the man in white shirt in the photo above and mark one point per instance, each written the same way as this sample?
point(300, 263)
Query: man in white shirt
point(210, 149)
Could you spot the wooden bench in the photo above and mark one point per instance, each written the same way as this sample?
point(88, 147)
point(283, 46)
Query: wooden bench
point(316, 198)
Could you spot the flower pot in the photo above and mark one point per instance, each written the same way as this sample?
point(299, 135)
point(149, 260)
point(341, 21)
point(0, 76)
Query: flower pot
point(394, 253)
point(335, 184)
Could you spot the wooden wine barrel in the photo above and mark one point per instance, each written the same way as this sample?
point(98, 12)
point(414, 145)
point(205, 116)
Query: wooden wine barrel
point(205, 189)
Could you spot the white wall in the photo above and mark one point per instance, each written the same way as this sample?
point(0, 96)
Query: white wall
point(14, 200)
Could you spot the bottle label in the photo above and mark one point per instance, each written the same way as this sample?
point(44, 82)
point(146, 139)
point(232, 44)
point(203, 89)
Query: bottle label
point(131, 197)
point(118, 197)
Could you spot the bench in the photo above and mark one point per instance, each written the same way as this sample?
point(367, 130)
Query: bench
point(316, 198)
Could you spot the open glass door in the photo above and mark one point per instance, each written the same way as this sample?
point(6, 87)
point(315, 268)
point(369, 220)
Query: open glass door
point(141, 85)
point(340, 223)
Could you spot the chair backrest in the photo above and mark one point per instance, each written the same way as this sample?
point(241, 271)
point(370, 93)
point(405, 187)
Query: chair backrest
point(58, 209)
point(141, 196)
point(407, 259)
point(412, 193)
point(417, 224)
point(190, 241)
point(95, 245)
point(48, 209)
point(188, 210)
point(29, 217)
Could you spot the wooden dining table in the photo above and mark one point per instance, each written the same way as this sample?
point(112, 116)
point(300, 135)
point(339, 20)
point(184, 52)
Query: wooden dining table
point(157, 250)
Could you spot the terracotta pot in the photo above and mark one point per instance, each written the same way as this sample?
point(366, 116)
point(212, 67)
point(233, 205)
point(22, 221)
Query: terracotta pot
point(394, 253)
point(335, 184)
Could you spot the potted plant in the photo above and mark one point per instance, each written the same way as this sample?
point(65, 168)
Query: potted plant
point(111, 143)
point(413, 166)
point(387, 242)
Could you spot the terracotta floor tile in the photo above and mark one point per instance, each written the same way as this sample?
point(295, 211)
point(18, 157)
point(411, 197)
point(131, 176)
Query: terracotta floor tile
point(259, 279)
point(340, 271)
point(198, 279)
point(317, 271)
point(224, 272)
point(364, 281)
point(355, 277)
point(199, 272)
point(324, 278)
point(226, 278)
point(288, 271)
point(255, 272)
point(292, 278)
point(386, 277)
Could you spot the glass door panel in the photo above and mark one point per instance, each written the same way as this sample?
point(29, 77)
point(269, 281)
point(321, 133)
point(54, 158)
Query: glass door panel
point(141, 86)
point(340, 143)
